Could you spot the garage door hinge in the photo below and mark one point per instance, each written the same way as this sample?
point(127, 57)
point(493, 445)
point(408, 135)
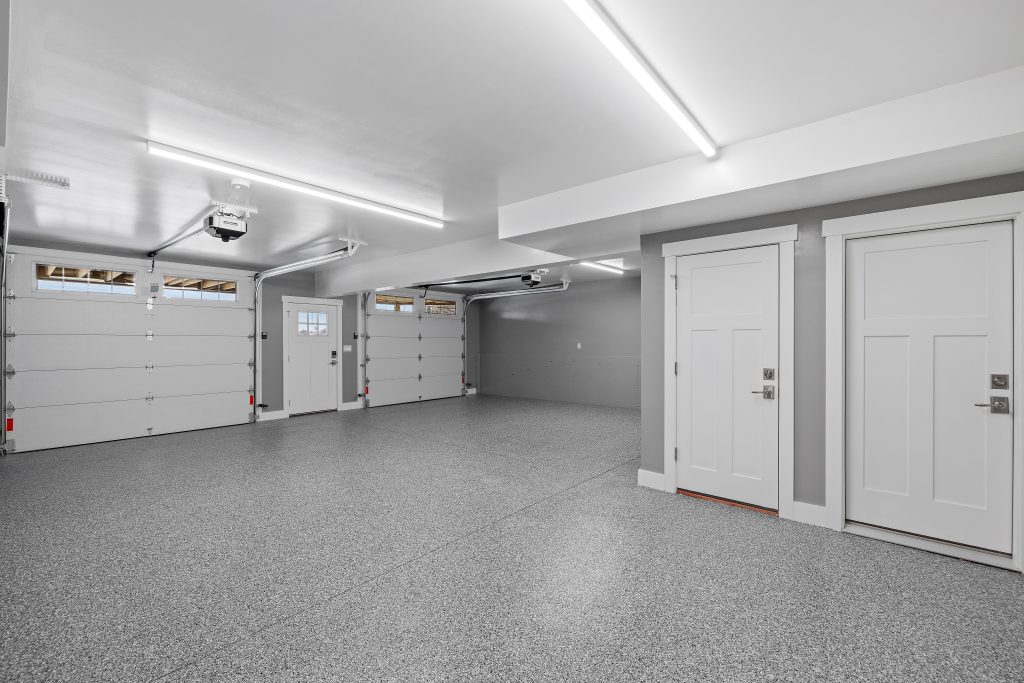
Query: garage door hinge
point(419, 357)
point(420, 378)
point(10, 334)
point(10, 408)
point(251, 336)
point(10, 295)
point(419, 337)
point(149, 398)
point(677, 454)
point(149, 367)
point(9, 372)
point(251, 364)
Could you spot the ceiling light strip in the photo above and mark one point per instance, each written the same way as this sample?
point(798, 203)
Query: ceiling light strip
point(600, 266)
point(256, 175)
point(602, 26)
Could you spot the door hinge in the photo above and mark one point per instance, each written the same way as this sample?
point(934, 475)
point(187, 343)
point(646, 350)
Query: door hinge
point(677, 368)
point(676, 456)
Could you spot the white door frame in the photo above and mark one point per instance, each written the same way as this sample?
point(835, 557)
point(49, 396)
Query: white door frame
point(785, 237)
point(286, 337)
point(1005, 207)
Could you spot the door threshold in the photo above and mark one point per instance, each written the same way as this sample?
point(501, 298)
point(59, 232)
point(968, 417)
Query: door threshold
point(970, 553)
point(314, 412)
point(726, 501)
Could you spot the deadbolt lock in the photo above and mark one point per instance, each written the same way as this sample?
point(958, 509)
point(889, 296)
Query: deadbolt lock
point(769, 374)
point(1000, 381)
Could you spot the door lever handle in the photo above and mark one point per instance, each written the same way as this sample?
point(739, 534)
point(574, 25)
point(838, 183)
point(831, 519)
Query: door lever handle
point(996, 404)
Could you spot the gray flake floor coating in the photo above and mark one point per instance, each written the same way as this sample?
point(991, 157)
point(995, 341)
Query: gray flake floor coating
point(466, 539)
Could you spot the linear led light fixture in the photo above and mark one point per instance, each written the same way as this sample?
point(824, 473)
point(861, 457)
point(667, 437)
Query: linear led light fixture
point(256, 175)
point(601, 266)
point(601, 25)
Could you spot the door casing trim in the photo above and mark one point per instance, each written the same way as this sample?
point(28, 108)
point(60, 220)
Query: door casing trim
point(286, 344)
point(785, 237)
point(996, 208)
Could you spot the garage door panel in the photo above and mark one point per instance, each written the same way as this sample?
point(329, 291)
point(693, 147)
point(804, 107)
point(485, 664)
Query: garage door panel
point(438, 327)
point(441, 347)
point(38, 315)
point(66, 352)
point(52, 427)
point(389, 392)
point(436, 366)
point(52, 352)
point(392, 347)
point(35, 389)
point(392, 326)
point(200, 379)
point(184, 413)
point(392, 368)
point(170, 350)
point(209, 319)
point(444, 386)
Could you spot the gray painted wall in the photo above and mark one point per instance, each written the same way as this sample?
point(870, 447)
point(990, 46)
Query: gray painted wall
point(528, 344)
point(349, 359)
point(809, 484)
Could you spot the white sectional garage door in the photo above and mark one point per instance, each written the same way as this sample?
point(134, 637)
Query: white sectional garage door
point(414, 353)
point(94, 366)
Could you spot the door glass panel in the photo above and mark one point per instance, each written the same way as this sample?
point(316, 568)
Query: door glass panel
point(312, 324)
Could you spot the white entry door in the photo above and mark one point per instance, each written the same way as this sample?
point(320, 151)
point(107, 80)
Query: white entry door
point(312, 358)
point(929, 328)
point(728, 352)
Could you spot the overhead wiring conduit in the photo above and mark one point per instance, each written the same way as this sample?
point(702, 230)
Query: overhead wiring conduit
point(519, 292)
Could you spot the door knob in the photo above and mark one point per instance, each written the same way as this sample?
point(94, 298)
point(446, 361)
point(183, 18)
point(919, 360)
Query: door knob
point(768, 392)
point(996, 404)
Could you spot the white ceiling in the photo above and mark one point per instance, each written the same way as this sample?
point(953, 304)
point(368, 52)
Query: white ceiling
point(450, 106)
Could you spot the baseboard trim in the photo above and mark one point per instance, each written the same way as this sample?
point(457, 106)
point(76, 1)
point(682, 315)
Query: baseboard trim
point(351, 405)
point(653, 480)
point(272, 415)
point(806, 513)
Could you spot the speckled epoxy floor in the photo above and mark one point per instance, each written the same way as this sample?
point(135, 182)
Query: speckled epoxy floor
point(468, 539)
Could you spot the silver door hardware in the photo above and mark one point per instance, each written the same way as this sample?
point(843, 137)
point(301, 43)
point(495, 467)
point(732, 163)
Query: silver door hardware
point(768, 392)
point(996, 404)
point(769, 374)
point(1000, 381)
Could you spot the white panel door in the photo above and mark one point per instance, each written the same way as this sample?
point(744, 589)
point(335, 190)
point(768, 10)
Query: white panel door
point(929, 320)
point(312, 358)
point(728, 335)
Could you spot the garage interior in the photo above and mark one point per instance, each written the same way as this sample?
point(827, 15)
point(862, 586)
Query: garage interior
point(572, 340)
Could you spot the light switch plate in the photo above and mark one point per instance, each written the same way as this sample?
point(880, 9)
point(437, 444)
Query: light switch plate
point(346, 348)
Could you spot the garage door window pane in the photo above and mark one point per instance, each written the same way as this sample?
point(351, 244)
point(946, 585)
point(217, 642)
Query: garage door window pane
point(439, 307)
point(390, 302)
point(92, 280)
point(203, 289)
